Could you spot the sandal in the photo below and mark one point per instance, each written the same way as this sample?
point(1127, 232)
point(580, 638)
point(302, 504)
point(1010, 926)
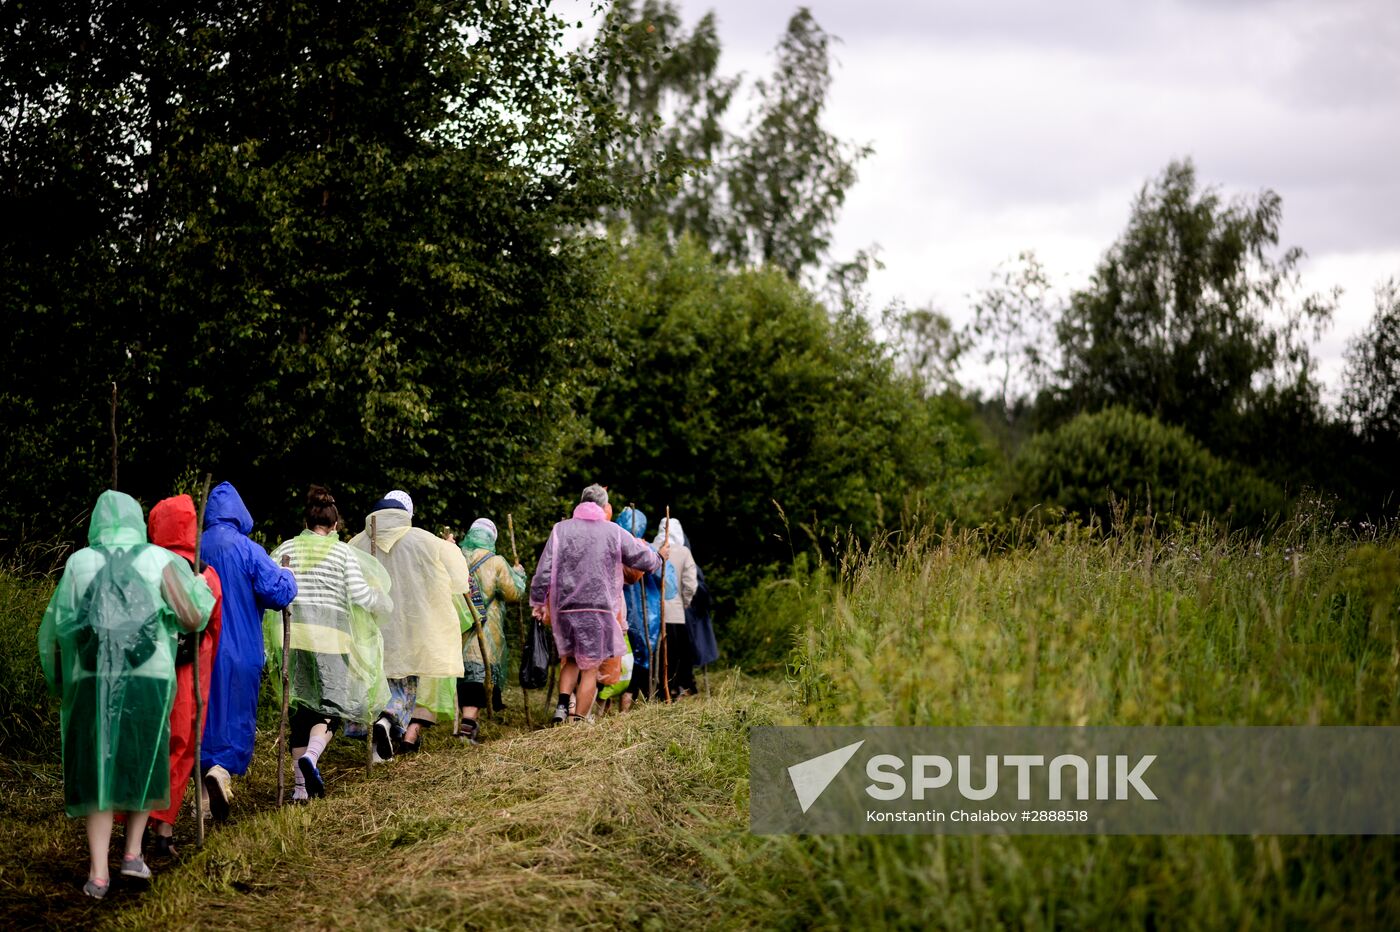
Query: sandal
point(163, 846)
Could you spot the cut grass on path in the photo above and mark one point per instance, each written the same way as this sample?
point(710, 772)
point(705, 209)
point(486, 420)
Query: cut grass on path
point(587, 826)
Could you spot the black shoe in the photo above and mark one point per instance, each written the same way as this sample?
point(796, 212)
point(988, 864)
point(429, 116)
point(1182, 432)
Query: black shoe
point(408, 747)
point(470, 732)
point(163, 846)
point(315, 786)
point(383, 743)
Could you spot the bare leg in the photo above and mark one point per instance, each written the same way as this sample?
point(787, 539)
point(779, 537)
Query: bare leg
point(135, 828)
point(319, 730)
point(626, 701)
point(470, 711)
point(568, 676)
point(587, 690)
point(99, 832)
point(298, 778)
point(414, 729)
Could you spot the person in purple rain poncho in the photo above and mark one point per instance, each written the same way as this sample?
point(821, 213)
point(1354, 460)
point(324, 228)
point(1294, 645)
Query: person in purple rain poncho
point(577, 590)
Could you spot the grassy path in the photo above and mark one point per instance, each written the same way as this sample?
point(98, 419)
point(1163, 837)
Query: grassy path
point(631, 821)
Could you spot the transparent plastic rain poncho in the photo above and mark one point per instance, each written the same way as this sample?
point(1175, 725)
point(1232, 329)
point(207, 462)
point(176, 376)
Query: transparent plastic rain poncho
point(625, 678)
point(107, 647)
point(335, 657)
point(499, 584)
point(438, 694)
point(579, 580)
point(642, 598)
point(423, 633)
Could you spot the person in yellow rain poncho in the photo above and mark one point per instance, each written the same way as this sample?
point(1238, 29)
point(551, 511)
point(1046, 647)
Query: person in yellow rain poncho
point(422, 634)
point(335, 655)
point(495, 583)
point(107, 647)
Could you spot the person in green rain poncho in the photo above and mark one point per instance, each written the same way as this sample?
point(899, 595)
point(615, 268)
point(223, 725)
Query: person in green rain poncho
point(495, 584)
point(107, 647)
point(335, 655)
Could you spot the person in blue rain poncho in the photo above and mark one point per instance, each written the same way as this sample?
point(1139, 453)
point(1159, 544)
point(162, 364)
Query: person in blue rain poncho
point(252, 584)
point(643, 600)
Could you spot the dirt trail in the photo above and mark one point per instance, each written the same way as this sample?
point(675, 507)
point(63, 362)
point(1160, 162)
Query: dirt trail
point(584, 825)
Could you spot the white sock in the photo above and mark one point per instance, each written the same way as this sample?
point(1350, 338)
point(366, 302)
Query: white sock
point(315, 745)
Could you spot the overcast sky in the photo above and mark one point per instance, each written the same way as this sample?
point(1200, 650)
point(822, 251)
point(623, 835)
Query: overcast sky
point(1022, 124)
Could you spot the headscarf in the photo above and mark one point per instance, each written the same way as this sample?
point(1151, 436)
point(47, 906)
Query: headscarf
point(402, 498)
point(677, 535)
point(481, 536)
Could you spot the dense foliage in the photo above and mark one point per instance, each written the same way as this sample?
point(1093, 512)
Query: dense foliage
point(1117, 457)
point(308, 243)
point(766, 422)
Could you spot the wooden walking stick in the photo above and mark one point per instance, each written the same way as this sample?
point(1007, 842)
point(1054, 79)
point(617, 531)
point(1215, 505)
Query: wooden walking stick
point(520, 614)
point(665, 673)
point(478, 622)
point(549, 691)
point(369, 713)
point(198, 696)
point(282, 749)
point(114, 437)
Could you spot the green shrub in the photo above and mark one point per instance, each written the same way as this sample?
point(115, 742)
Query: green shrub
point(763, 633)
point(1115, 454)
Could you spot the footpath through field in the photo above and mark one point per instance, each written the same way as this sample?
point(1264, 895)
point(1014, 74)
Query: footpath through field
point(615, 824)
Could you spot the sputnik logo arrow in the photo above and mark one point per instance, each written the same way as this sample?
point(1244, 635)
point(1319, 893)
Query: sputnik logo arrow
point(811, 777)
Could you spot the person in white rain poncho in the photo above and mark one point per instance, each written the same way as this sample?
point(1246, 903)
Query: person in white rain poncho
point(422, 633)
point(678, 590)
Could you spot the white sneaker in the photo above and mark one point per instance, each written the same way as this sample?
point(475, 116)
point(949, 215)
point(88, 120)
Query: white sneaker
point(220, 787)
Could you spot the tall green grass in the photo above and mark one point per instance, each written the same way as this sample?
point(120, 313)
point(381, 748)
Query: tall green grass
point(28, 720)
point(1079, 627)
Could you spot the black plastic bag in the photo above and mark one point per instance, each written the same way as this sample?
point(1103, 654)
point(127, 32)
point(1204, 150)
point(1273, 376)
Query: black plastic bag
point(537, 657)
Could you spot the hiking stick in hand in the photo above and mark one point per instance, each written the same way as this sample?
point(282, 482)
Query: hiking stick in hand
point(665, 670)
point(198, 696)
point(369, 716)
point(477, 622)
point(282, 749)
point(520, 613)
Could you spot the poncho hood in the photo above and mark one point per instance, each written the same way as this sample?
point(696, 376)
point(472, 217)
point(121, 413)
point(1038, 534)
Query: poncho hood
point(588, 511)
point(390, 526)
point(116, 521)
point(676, 537)
point(479, 539)
point(633, 520)
point(226, 507)
point(172, 525)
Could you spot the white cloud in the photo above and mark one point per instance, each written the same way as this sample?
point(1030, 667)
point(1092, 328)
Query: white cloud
point(1016, 125)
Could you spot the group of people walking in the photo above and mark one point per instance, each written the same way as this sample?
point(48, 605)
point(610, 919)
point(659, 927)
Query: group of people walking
point(385, 634)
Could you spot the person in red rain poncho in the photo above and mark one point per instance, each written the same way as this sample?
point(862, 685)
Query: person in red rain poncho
point(172, 526)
